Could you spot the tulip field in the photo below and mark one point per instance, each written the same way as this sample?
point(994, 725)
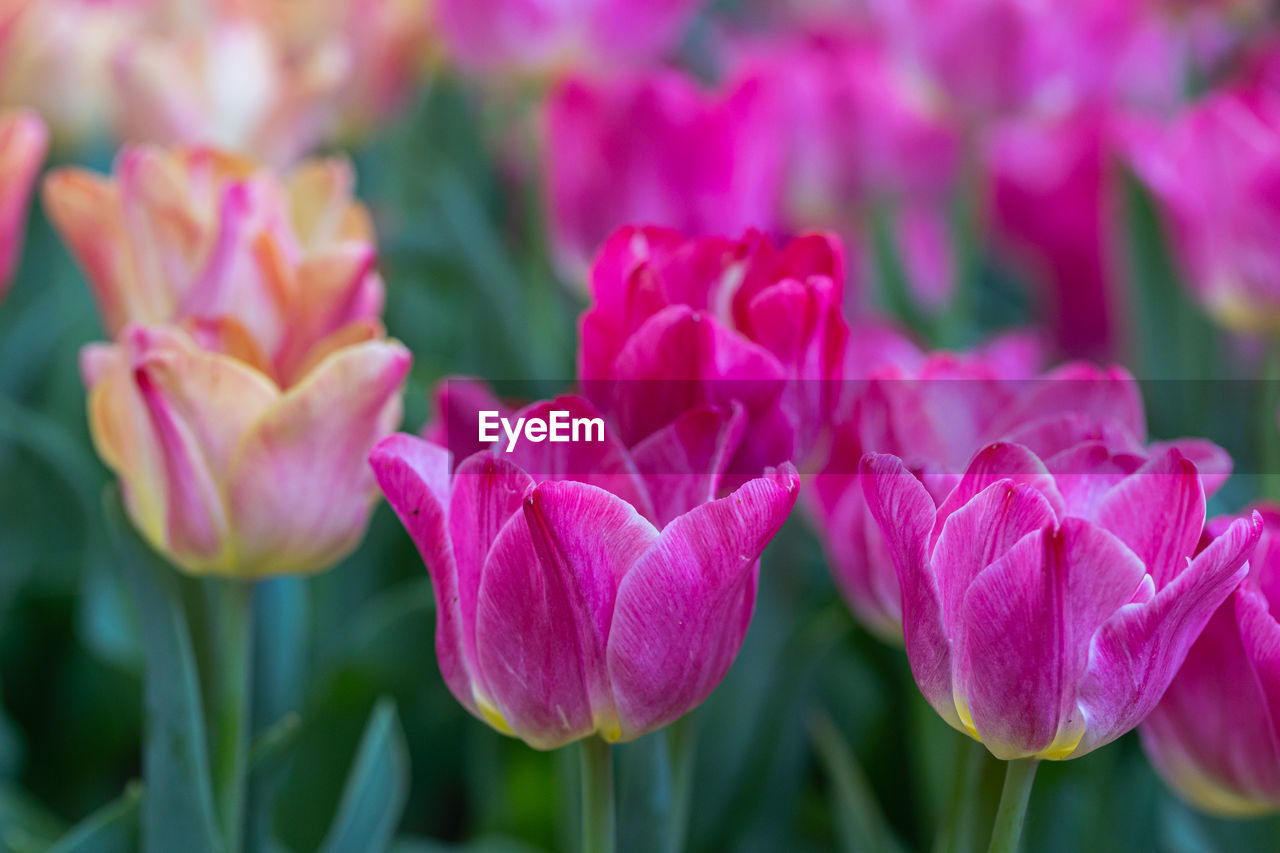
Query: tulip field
point(698, 425)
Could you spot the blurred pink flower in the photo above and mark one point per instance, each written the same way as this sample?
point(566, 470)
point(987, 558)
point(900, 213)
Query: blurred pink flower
point(24, 141)
point(250, 373)
point(1216, 170)
point(655, 150)
point(540, 36)
point(1047, 605)
point(1052, 209)
point(936, 411)
point(564, 611)
point(999, 56)
point(857, 133)
point(678, 323)
point(1215, 736)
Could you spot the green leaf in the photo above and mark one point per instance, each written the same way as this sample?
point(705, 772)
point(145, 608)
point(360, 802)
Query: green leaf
point(862, 825)
point(114, 827)
point(25, 823)
point(376, 788)
point(177, 812)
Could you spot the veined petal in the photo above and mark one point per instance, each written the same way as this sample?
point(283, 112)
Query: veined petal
point(978, 534)
point(1024, 640)
point(586, 540)
point(414, 475)
point(995, 462)
point(526, 646)
point(1136, 653)
point(905, 513)
point(1167, 488)
point(682, 611)
point(683, 463)
point(605, 464)
point(299, 491)
point(487, 492)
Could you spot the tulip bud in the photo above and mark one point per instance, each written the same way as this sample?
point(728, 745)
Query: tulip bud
point(250, 375)
point(1047, 605)
point(564, 609)
point(1215, 736)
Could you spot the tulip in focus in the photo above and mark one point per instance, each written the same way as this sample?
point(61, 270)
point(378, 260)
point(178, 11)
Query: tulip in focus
point(568, 608)
point(703, 163)
point(1048, 603)
point(934, 411)
point(678, 323)
point(1215, 736)
point(23, 143)
point(542, 36)
point(250, 373)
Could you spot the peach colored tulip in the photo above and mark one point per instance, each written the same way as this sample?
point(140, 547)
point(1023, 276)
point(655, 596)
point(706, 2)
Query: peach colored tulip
point(23, 143)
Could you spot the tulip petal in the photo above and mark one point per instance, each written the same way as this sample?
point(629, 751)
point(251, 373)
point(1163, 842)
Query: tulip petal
point(487, 492)
point(1201, 739)
point(905, 513)
point(978, 534)
point(598, 457)
point(683, 610)
point(995, 462)
point(1085, 473)
point(526, 646)
point(1027, 622)
point(1212, 462)
point(586, 540)
point(1260, 635)
point(684, 462)
point(299, 490)
point(414, 475)
point(1166, 488)
point(663, 368)
point(1136, 653)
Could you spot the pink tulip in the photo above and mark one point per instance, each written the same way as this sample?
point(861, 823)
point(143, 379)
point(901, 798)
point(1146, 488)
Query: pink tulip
point(857, 131)
point(277, 272)
point(226, 472)
point(250, 374)
point(932, 414)
point(1048, 603)
point(539, 36)
point(1053, 210)
point(992, 57)
point(1215, 736)
point(565, 611)
point(23, 143)
point(678, 323)
point(655, 150)
point(1216, 170)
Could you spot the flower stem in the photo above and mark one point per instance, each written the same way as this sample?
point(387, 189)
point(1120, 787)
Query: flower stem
point(598, 833)
point(231, 612)
point(1018, 777)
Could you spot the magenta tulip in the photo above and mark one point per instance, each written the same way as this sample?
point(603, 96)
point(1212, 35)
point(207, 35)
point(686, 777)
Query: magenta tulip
point(564, 610)
point(1047, 604)
point(1215, 736)
point(706, 162)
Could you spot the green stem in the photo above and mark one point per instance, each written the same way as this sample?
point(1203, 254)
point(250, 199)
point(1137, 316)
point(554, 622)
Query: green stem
point(682, 738)
point(1018, 778)
point(598, 835)
point(231, 619)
